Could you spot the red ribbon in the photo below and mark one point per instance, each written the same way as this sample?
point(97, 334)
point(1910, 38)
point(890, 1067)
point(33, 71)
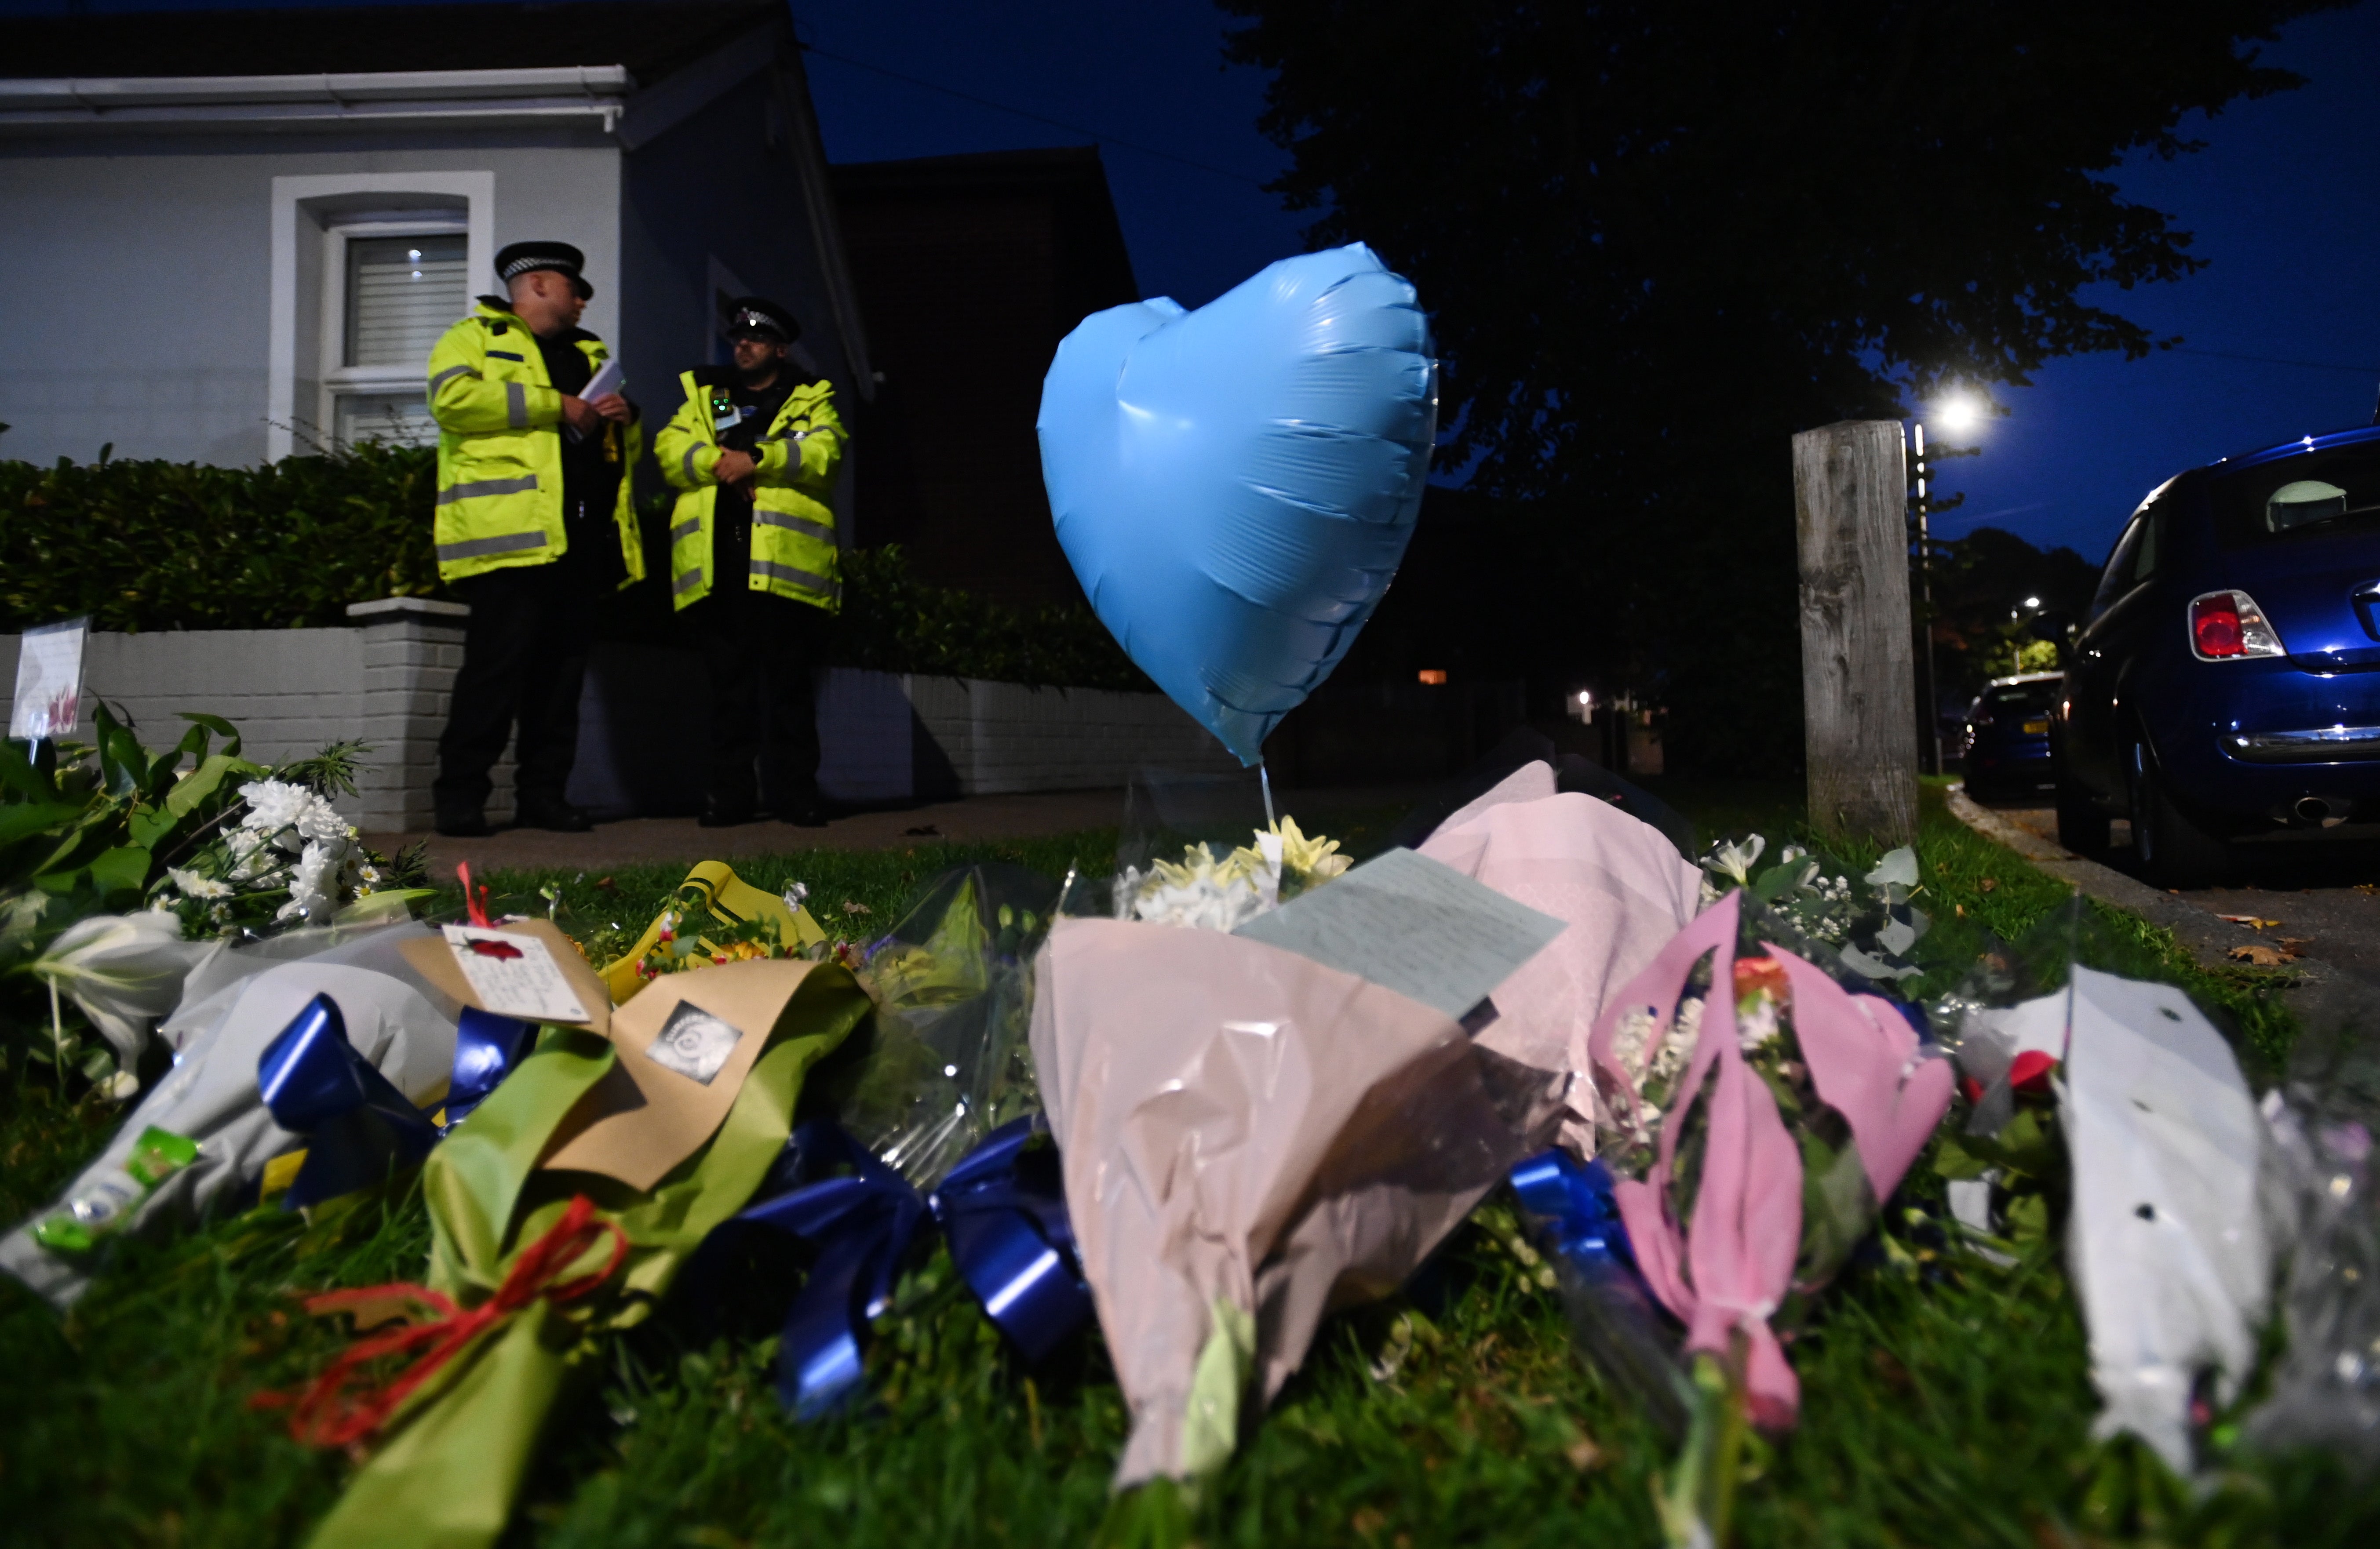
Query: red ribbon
point(327, 1414)
point(476, 908)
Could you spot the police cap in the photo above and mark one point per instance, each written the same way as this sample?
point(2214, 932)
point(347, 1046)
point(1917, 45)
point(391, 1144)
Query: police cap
point(761, 318)
point(522, 257)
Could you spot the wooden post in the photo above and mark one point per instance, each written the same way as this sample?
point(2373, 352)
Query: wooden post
point(1851, 497)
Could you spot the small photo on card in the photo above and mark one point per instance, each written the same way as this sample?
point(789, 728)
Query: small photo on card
point(693, 1043)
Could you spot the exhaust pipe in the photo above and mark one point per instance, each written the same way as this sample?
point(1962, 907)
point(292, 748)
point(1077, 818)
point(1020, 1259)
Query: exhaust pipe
point(2313, 809)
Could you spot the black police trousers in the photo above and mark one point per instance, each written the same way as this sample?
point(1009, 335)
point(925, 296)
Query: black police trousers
point(757, 651)
point(524, 659)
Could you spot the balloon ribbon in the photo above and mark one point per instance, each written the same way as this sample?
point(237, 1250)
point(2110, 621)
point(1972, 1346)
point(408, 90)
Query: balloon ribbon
point(1004, 1210)
point(325, 1414)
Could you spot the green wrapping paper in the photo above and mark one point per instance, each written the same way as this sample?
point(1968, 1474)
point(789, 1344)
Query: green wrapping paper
point(450, 1471)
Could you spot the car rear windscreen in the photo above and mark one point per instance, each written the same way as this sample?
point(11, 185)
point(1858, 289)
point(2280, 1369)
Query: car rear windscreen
point(2322, 492)
point(2011, 699)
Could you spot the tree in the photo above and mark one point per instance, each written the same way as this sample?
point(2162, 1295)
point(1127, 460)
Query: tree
point(1659, 238)
point(1994, 595)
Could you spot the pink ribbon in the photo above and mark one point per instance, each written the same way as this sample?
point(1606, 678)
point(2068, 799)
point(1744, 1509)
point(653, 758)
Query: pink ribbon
point(1864, 1060)
point(1728, 1270)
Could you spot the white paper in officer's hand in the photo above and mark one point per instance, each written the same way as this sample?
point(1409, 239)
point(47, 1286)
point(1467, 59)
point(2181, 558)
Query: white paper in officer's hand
point(608, 378)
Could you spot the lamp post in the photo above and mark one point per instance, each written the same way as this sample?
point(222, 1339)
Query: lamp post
point(1954, 414)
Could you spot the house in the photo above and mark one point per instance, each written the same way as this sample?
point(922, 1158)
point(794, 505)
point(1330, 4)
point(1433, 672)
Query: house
point(970, 269)
point(234, 235)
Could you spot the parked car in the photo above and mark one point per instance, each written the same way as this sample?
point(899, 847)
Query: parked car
point(2007, 737)
point(2226, 690)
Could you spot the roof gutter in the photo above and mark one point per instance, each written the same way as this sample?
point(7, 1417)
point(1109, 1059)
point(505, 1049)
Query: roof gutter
point(577, 92)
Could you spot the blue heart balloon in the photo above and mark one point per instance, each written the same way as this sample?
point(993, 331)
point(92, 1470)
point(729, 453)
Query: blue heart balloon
point(1235, 486)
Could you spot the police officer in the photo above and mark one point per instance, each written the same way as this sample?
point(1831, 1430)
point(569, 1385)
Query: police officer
point(752, 560)
point(535, 522)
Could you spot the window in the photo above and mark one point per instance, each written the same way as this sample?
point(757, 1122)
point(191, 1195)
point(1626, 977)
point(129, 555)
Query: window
point(394, 292)
point(351, 328)
point(2116, 579)
point(2334, 490)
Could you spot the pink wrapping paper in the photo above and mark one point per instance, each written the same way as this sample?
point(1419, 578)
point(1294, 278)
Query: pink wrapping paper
point(1726, 1271)
point(1623, 888)
point(1241, 1124)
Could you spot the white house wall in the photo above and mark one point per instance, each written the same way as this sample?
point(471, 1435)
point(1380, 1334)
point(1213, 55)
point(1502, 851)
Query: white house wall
point(723, 185)
point(137, 276)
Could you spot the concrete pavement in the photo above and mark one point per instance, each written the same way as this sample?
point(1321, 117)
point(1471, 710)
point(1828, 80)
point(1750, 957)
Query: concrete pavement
point(968, 821)
point(2324, 902)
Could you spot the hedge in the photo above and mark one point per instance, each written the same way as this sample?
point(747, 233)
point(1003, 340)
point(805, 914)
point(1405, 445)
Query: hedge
point(144, 546)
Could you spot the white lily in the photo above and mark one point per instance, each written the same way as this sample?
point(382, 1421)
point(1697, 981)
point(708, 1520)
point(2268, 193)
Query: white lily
point(124, 972)
point(1735, 860)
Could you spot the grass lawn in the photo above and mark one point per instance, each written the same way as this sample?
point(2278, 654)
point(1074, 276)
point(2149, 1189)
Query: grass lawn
point(1946, 1400)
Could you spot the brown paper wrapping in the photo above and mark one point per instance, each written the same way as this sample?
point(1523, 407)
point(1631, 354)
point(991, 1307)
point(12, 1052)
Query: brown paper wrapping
point(643, 1118)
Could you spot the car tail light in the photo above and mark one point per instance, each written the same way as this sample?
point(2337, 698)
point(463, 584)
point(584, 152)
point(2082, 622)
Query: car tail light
point(2224, 626)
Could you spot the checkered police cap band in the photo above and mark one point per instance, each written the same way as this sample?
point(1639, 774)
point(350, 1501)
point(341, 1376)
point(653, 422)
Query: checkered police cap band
point(523, 265)
point(749, 321)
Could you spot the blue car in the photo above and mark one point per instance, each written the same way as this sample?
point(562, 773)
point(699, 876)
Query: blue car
point(2225, 694)
point(2008, 735)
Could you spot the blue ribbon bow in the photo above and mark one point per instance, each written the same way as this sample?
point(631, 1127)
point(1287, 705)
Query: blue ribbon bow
point(1002, 1208)
point(487, 1047)
point(1574, 1199)
point(357, 1126)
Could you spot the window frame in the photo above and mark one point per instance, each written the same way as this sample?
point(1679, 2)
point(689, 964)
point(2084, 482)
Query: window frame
point(338, 378)
point(304, 208)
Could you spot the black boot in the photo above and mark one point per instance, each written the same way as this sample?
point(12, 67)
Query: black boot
point(803, 808)
point(717, 813)
point(551, 813)
point(464, 825)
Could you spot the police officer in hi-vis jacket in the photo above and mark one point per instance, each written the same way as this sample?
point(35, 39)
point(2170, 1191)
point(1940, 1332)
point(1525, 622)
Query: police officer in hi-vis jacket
point(535, 522)
point(752, 560)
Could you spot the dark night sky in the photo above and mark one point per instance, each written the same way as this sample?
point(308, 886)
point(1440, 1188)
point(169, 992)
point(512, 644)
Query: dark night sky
point(2285, 202)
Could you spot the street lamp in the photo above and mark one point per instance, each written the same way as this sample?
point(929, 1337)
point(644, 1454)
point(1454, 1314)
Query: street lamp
point(1956, 412)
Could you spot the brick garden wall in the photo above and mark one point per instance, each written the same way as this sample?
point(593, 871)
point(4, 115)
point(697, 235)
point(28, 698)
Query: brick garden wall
point(886, 738)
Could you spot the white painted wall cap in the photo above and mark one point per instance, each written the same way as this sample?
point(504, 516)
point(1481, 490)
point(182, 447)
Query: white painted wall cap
point(399, 607)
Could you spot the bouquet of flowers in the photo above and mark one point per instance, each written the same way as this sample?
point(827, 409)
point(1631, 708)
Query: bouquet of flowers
point(224, 849)
point(562, 1210)
point(1209, 893)
point(1758, 1115)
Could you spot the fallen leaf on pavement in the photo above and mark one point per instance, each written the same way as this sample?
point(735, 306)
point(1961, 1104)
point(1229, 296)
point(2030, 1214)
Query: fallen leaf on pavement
point(2250, 921)
point(2261, 955)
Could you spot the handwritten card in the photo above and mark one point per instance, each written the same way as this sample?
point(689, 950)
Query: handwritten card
point(1414, 926)
point(49, 680)
point(513, 975)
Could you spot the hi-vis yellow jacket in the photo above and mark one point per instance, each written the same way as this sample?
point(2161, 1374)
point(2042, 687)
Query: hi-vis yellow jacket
point(500, 448)
point(793, 526)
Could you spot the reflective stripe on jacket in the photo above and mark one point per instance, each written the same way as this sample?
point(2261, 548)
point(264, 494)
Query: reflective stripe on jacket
point(499, 450)
point(794, 543)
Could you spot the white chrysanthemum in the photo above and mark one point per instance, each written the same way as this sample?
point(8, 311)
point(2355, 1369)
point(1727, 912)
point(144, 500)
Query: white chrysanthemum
point(312, 888)
point(1680, 1043)
point(1201, 892)
point(1756, 1022)
point(273, 804)
point(192, 885)
point(318, 819)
